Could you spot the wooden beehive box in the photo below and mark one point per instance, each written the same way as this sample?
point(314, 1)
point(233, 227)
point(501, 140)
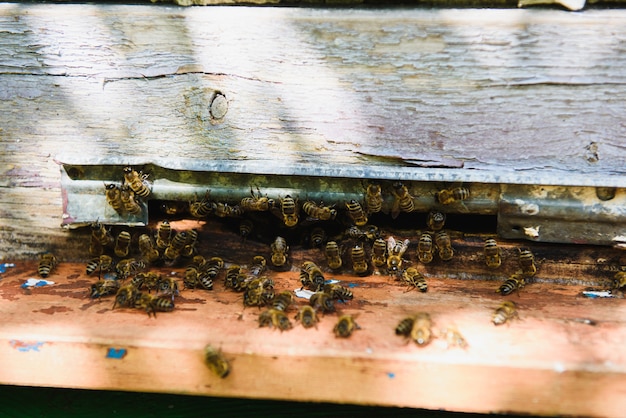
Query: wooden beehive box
point(521, 107)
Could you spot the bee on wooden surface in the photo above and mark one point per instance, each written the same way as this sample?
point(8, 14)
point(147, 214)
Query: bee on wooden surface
point(164, 234)
point(126, 296)
point(311, 276)
point(369, 233)
point(216, 362)
point(203, 207)
point(320, 212)
point(129, 266)
point(356, 213)
point(333, 255)
point(307, 316)
point(444, 245)
point(404, 326)
point(425, 248)
point(275, 318)
point(449, 196)
point(505, 312)
point(289, 211)
point(322, 301)
point(148, 249)
point(373, 198)
point(395, 251)
point(102, 263)
point(619, 280)
point(100, 238)
point(527, 262)
point(153, 304)
point(359, 262)
point(246, 226)
point(279, 250)
point(167, 286)
point(317, 237)
point(403, 201)
point(47, 263)
point(113, 194)
point(189, 249)
point(258, 266)
point(345, 326)
point(259, 292)
point(173, 207)
point(146, 280)
point(130, 203)
point(453, 338)
point(435, 220)
point(339, 292)
point(208, 274)
point(257, 202)
point(492, 252)
point(172, 252)
point(137, 182)
point(122, 244)
point(379, 252)
point(416, 328)
point(282, 301)
point(414, 279)
point(224, 210)
point(191, 277)
point(104, 287)
point(512, 284)
point(235, 279)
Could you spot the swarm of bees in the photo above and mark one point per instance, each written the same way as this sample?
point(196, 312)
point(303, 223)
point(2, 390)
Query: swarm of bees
point(126, 198)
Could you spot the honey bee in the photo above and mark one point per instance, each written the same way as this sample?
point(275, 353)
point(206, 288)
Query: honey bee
point(359, 263)
point(122, 244)
point(404, 326)
point(172, 252)
point(234, 279)
point(130, 204)
point(282, 301)
point(345, 326)
point(189, 249)
point(492, 254)
point(307, 316)
point(129, 266)
point(259, 292)
point(137, 182)
point(256, 202)
point(103, 263)
point(224, 210)
point(203, 207)
point(527, 262)
point(192, 272)
point(395, 251)
point(435, 220)
point(505, 312)
point(146, 280)
point(317, 237)
point(245, 228)
point(333, 255)
point(373, 199)
point(148, 249)
point(320, 212)
point(164, 234)
point(311, 276)
point(379, 252)
point(425, 248)
point(275, 318)
point(338, 292)
point(216, 362)
point(104, 287)
point(369, 234)
point(213, 267)
point(442, 240)
point(47, 263)
point(449, 196)
point(153, 304)
point(322, 301)
point(403, 201)
point(258, 266)
point(113, 194)
point(356, 213)
point(513, 283)
point(453, 338)
point(167, 286)
point(126, 296)
point(414, 279)
point(421, 331)
point(279, 250)
point(289, 210)
point(100, 238)
point(619, 280)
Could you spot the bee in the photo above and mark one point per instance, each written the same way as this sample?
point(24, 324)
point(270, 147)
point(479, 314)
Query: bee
point(356, 213)
point(345, 326)
point(369, 234)
point(256, 202)
point(425, 248)
point(234, 279)
point(126, 296)
point(137, 182)
point(259, 292)
point(317, 237)
point(100, 238)
point(333, 255)
point(173, 207)
point(275, 318)
point(414, 279)
point(282, 301)
point(395, 251)
point(153, 304)
point(453, 338)
point(104, 287)
point(619, 280)
point(104, 263)
point(189, 249)
point(129, 266)
point(449, 196)
point(373, 198)
point(148, 249)
point(130, 203)
point(172, 252)
point(122, 244)
point(322, 301)
point(442, 240)
point(213, 267)
point(403, 201)
point(147, 280)
point(224, 210)
point(289, 210)
point(359, 263)
point(435, 220)
point(527, 262)
point(311, 276)
point(404, 326)
point(421, 331)
point(167, 286)
point(513, 283)
point(164, 234)
point(258, 266)
point(338, 292)
point(245, 228)
point(203, 207)
point(113, 194)
point(320, 212)
point(307, 316)
point(506, 311)
point(379, 252)
point(216, 362)
point(191, 277)
point(279, 252)
point(47, 263)
point(492, 254)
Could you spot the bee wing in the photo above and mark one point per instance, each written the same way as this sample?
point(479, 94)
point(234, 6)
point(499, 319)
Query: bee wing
point(391, 244)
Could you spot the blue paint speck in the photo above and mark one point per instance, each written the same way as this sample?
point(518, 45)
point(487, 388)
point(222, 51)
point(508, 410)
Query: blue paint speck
point(353, 285)
point(26, 346)
point(116, 353)
point(391, 375)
